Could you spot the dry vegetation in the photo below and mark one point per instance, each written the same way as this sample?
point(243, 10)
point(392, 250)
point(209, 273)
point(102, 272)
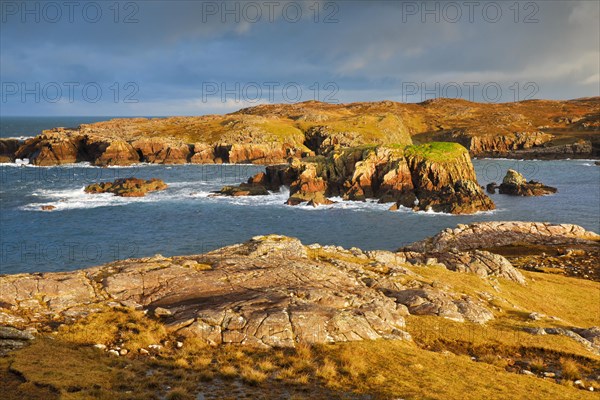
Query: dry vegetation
point(446, 360)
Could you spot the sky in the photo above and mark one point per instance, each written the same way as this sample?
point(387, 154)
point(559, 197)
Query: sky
point(158, 58)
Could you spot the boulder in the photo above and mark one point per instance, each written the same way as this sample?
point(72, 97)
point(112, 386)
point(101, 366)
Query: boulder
point(127, 187)
point(491, 187)
point(13, 339)
point(516, 185)
point(482, 263)
point(438, 303)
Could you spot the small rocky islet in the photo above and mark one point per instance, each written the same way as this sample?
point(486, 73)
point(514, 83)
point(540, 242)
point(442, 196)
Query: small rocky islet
point(127, 187)
point(515, 184)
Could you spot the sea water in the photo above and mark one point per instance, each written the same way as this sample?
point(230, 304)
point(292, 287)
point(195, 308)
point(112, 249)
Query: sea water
point(91, 229)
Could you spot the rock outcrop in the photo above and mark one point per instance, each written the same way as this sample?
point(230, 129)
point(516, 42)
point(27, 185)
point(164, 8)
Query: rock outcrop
point(127, 187)
point(481, 263)
point(516, 185)
point(53, 147)
point(271, 291)
point(12, 339)
point(437, 177)
point(486, 235)
point(104, 153)
point(244, 189)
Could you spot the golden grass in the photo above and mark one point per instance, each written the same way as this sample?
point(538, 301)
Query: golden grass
point(115, 326)
point(570, 369)
point(382, 369)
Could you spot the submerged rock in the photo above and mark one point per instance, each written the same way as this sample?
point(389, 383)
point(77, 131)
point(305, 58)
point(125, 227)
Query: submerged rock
point(244, 189)
point(127, 187)
point(515, 184)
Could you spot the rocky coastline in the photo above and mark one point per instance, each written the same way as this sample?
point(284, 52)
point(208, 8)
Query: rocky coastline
point(271, 134)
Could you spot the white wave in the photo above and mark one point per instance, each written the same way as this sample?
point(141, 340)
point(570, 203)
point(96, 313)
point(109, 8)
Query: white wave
point(19, 137)
point(70, 199)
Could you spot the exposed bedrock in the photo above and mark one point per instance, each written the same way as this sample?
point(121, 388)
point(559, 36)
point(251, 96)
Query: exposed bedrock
point(271, 291)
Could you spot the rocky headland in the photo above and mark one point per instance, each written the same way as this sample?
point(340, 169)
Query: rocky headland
point(270, 134)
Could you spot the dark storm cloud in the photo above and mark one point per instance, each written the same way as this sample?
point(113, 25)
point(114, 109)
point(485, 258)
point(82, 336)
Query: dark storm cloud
point(370, 51)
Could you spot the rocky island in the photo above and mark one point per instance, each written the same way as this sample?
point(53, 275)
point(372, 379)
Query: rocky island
point(274, 292)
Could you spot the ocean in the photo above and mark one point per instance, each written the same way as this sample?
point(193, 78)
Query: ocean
point(86, 230)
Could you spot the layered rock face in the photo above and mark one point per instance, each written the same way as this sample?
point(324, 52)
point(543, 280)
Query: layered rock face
point(162, 151)
point(62, 146)
point(485, 235)
point(127, 187)
point(515, 184)
point(271, 291)
point(438, 177)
